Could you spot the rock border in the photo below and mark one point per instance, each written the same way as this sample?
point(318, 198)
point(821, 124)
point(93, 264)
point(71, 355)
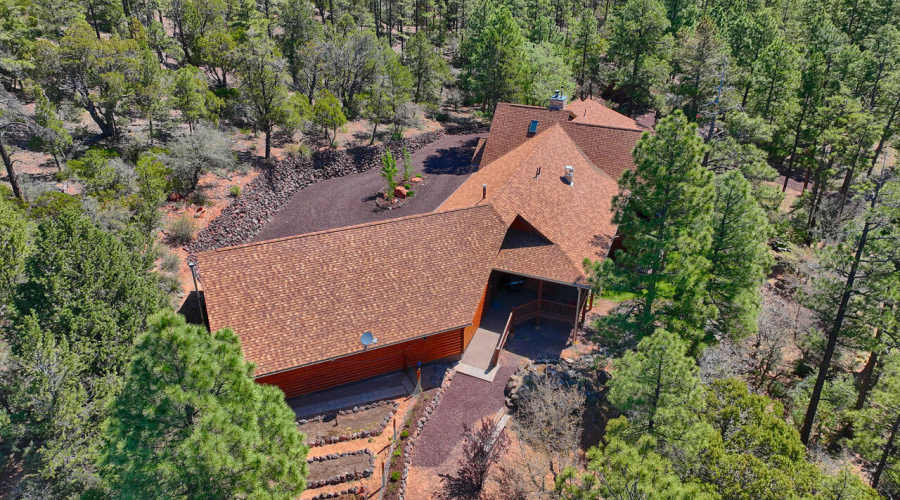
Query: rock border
point(420, 427)
point(269, 192)
point(347, 476)
point(354, 435)
point(337, 494)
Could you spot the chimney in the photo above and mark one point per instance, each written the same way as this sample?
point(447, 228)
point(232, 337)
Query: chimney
point(558, 101)
point(483, 191)
point(570, 175)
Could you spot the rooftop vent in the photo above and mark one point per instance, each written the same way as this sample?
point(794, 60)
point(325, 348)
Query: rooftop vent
point(558, 101)
point(532, 127)
point(570, 175)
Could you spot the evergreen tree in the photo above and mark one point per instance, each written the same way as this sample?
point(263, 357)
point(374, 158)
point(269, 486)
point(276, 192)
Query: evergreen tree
point(151, 90)
point(263, 87)
point(189, 95)
point(328, 114)
point(429, 70)
point(739, 256)
point(545, 72)
point(15, 244)
point(657, 388)
point(639, 45)
point(663, 209)
point(494, 71)
point(877, 427)
point(57, 141)
point(190, 422)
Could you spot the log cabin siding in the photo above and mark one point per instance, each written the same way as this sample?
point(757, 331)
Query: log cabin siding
point(315, 377)
point(469, 331)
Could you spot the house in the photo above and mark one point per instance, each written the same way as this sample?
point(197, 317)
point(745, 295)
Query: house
point(537, 207)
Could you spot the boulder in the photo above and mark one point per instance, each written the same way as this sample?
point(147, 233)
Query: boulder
point(400, 192)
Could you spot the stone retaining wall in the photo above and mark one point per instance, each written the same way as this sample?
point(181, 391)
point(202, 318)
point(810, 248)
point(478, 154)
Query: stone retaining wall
point(356, 435)
point(347, 476)
point(274, 188)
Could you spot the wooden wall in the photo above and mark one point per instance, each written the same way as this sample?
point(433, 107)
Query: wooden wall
point(469, 331)
point(366, 364)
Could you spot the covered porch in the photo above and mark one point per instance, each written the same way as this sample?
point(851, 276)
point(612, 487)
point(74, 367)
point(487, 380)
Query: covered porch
point(526, 316)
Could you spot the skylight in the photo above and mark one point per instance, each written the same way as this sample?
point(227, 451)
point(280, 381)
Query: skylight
point(532, 128)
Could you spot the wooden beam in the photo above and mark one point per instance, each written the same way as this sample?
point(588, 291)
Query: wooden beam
point(540, 297)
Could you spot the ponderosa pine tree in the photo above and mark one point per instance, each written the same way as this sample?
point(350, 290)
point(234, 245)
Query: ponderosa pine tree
point(664, 210)
point(190, 422)
point(429, 70)
point(877, 427)
point(658, 388)
point(639, 45)
point(739, 256)
point(494, 70)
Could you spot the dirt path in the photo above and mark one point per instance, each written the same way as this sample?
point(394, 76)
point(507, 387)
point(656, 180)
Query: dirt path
point(349, 200)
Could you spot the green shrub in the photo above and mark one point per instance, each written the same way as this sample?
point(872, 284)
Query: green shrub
point(234, 191)
point(181, 230)
point(63, 175)
point(397, 452)
point(395, 476)
point(404, 434)
point(298, 150)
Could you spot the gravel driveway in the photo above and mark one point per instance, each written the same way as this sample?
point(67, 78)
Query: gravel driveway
point(349, 200)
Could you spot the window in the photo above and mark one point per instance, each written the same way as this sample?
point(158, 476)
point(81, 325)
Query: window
point(532, 128)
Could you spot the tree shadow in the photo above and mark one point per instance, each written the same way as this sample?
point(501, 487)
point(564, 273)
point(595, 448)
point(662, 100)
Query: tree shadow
point(455, 160)
point(456, 488)
point(190, 309)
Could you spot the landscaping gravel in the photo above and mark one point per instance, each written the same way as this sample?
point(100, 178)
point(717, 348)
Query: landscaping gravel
point(350, 199)
point(467, 400)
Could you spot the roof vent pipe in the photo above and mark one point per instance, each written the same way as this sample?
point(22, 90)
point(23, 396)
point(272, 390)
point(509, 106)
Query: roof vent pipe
point(483, 191)
point(570, 175)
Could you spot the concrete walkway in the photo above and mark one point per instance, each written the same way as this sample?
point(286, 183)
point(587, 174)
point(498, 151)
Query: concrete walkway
point(476, 361)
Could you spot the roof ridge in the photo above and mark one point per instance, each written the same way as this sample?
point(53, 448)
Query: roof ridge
point(346, 228)
point(638, 129)
point(529, 106)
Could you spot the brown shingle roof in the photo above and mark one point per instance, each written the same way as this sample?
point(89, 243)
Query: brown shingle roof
point(604, 136)
point(594, 112)
point(530, 254)
point(578, 219)
point(308, 298)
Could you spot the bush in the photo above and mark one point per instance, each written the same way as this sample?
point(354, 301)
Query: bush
point(181, 230)
point(234, 191)
point(298, 151)
point(397, 452)
point(395, 476)
point(404, 434)
point(189, 156)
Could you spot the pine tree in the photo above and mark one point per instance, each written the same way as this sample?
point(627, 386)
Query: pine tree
point(57, 141)
point(190, 422)
point(639, 45)
point(877, 427)
point(494, 71)
point(663, 209)
point(429, 70)
point(739, 256)
point(189, 95)
point(657, 388)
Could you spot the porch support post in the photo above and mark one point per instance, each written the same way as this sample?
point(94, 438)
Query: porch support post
point(540, 297)
point(577, 314)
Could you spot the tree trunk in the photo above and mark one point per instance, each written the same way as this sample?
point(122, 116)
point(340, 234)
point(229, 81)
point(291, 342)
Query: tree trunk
point(268, 141)
point(93, 19)
point(888, 449)
point(10, 171)
point(374, 131)
point(885, 133)
point(790, 167)
point(835, 331)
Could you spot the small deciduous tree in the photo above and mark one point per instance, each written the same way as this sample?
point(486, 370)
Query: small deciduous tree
point(389, 173)
point(189, 95)
point(429, 70)
point(482, 449)
point(191, 422)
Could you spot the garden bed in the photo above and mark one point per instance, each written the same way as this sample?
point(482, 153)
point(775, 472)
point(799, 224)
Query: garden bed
point(414, 189)
point(344, 425)
point(339, 468)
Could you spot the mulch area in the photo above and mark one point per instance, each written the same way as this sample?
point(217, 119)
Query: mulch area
point(349, 200)
point(335, 425)
point(329, 468)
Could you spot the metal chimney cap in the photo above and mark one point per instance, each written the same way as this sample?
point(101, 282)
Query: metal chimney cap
point(484, 185)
